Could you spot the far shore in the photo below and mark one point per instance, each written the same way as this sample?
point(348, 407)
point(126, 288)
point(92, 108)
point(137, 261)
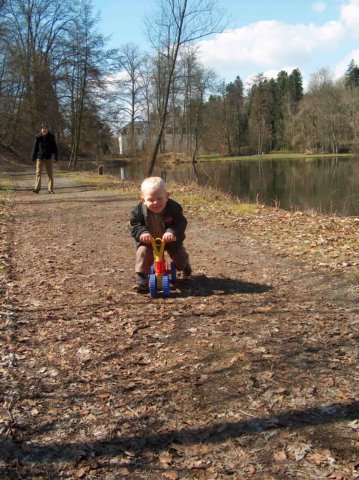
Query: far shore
point(176, 157)
point(275, 156)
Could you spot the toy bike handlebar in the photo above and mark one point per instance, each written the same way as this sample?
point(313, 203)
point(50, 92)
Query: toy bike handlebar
point(158, 246)
point(158, 241)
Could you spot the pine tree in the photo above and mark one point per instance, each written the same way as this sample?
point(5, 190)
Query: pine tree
point(235, 101)
point(352, 75)
point(296, 85)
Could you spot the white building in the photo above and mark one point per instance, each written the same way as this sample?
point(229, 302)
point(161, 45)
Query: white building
point(170, 141)
point(140, 136)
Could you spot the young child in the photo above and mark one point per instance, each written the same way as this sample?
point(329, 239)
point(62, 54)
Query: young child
point(157, 216)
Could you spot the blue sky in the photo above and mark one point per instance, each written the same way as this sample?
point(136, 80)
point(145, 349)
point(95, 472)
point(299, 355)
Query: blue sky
point(263, 36)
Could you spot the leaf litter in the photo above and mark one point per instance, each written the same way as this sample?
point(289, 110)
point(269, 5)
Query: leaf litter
point(249, 370)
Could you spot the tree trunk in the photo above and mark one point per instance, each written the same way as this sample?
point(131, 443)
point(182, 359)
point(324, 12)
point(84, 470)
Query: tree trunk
point(168, 90)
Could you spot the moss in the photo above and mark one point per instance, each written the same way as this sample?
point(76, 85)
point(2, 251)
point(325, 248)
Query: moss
point(5, 202)
point(5, 190)
point(104, 182)
point(5, 184)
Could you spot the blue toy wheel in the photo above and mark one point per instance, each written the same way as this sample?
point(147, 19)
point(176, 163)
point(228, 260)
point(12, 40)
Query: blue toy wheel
point(152, 282)
point(173, 272)
point(166, 285)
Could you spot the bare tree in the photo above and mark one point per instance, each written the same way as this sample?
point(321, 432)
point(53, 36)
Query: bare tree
point(32, 32)
point(42, 26)
point(328, 100)
point(131, 63)
point(11, 94)
point(351, 109)
point(146, 81)
point(194, 81)
point(204, 81)
point(306, 125)
point(177, 23)
point(82, 74)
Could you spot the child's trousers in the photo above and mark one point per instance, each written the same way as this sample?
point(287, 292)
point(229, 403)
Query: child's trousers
point(144, 257)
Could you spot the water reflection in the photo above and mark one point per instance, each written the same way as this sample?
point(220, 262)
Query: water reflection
point(330, 185)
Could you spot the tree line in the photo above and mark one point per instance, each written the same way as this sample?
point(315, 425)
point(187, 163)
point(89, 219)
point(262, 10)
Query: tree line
point(55, 67)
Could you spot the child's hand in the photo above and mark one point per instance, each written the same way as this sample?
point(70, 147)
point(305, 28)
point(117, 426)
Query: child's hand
point(168, 237)
point(145, 238)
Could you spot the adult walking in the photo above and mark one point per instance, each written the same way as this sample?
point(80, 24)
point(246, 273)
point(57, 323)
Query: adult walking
point(44, 153)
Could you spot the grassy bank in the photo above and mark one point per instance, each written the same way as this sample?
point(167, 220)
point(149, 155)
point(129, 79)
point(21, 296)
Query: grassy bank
point(6, 195)
point(191, 195)
point(274, 156)
point(5, 187)
point(327, 241)
point(5, 203)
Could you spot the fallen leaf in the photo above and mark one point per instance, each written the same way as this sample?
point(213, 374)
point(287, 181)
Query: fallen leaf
point(171, 475)
point(320, 458)
point(103, 395)
point(280, 456)
point(337, 476)
point(298, 450)
point(123, 471)
point(165, 459)
point(250, 469)
point(82, 472)
point(264, 309)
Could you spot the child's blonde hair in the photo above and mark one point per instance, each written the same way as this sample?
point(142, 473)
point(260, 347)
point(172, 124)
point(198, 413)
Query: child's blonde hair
point(152, 183)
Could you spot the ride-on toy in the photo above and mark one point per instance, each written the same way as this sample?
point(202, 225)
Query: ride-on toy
point(160, 275)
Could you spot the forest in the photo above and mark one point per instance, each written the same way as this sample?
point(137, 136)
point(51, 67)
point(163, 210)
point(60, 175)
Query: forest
point(55, 67)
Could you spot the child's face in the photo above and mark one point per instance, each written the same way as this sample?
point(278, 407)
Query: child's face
point(155, 199)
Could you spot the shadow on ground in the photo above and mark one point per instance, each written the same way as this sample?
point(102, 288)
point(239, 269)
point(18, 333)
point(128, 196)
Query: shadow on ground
point(209, 286)
point(292, 420)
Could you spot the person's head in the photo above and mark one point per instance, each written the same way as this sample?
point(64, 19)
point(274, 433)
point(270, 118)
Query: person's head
point(154, 194)
point(44, 128)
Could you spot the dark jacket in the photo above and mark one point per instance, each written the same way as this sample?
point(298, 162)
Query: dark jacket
point(45, 147)
point(174, 220)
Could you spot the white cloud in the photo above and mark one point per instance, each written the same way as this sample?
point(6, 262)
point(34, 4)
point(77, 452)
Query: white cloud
point(319, 7)
point(269, 45)
point(350, 15)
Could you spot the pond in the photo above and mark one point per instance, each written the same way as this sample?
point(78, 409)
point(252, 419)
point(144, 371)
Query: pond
point(328, 185)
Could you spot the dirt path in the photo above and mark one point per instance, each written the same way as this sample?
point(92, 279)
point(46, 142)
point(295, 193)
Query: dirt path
point(249, 371)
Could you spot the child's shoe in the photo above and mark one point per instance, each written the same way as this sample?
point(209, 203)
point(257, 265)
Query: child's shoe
point(141, 285)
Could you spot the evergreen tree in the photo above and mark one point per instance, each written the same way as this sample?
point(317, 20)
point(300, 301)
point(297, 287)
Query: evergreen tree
point(352, 75)
point(281, 94)
point(288, 94)
point(296, 85)
point(261, 113)
point(236, 116)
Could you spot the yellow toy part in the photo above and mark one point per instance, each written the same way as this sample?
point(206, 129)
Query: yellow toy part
point(158, 246)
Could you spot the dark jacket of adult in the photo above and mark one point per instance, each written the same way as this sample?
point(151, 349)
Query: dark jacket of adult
point(45, 147)
point(174, 220)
